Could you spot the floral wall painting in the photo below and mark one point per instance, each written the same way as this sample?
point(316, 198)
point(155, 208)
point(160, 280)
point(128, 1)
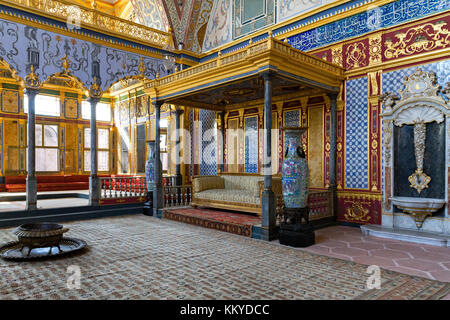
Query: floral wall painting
point(290, 8)
point(219, 27)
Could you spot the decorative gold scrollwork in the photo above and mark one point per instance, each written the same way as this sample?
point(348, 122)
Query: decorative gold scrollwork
point(422, 38)
point(375, 49)
point(357, 213)
point(356, 55)
point(32, 80)
point(95, 91)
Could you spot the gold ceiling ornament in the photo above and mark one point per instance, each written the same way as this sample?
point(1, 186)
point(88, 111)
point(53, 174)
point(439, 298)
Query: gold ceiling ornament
point(95, 91)
point(239, 92)
point(32, 80)
point(423, 38)
point(66, 64)
point(357, 213)
point(142, 68)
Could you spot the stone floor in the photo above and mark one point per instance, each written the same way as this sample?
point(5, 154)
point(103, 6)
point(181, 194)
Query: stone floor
point(139, 257)
point(8, 205)
point(411, 258)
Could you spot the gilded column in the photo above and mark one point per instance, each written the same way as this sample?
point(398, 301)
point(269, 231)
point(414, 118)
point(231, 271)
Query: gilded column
point(158, 193)
point(94, 182)
point(268, 197)
point(32, 86)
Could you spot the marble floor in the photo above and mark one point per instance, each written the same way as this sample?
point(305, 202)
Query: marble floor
point(348, 243)
point(6, 205)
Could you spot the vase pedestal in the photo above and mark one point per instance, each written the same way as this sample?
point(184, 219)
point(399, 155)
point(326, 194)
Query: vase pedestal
point(293, 231)
point(148, 205)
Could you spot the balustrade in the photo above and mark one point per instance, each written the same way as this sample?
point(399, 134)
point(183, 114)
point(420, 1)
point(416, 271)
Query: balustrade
point(176, 196)
point(123, 187)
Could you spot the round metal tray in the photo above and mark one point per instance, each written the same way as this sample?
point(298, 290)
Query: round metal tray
point(15, 250)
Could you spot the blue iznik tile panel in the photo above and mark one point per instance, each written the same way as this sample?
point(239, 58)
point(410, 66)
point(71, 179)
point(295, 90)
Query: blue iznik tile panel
point(393, 80)
point(357, 138)
point(251, 144)
point(208, 165)
point(389, 15)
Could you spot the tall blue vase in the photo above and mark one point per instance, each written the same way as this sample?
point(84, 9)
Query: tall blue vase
point(295, 172)
point(150, 167)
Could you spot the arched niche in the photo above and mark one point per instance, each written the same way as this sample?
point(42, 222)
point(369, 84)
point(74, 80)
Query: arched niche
point(416, 154)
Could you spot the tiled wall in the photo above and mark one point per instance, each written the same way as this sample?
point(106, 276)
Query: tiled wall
point(356, 120)
point(251, 144)
point(208, 122)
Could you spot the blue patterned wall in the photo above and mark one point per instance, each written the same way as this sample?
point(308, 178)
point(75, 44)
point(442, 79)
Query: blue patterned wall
point(357, 138)
point(388, 15)
point(22, 46)
point(393, 80)
point(209, 143)
point(251, 144)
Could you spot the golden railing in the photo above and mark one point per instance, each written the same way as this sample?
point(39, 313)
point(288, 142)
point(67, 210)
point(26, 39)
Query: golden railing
point(245, 53)
point(92, 19)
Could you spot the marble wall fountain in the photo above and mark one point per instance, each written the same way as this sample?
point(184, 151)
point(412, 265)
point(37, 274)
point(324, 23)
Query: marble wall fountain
point(416, 135)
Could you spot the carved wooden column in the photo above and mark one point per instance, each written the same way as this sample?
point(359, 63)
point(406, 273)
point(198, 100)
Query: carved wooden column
point(268, 197)
point(158, 192)
point(32, 86)
point(94, 182)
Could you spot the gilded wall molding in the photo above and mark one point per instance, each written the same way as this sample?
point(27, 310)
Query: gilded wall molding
point(422, 38)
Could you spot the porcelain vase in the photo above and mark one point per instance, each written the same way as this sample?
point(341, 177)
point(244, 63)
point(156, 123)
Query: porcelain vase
point(150, 167)
point(295, 172)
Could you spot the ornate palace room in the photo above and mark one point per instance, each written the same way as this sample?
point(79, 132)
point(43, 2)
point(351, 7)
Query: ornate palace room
point(224, 150)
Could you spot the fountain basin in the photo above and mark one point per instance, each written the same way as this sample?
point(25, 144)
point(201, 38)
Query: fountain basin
point(40, 234)
point(418, 208)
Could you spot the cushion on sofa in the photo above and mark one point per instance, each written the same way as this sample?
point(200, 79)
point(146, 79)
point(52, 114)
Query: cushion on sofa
point(207, 182)
point(243, 182)
point(236, 196)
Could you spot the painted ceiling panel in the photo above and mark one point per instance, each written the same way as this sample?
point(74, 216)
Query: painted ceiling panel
point(151, 13)
point(187, 18)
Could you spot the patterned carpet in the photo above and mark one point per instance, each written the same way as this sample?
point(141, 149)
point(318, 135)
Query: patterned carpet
point(233, 222)
point(139, 257)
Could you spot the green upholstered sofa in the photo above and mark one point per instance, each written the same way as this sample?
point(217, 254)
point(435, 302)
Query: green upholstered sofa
point(239, 192)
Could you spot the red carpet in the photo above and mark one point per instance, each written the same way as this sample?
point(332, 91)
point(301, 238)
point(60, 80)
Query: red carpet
point(233, 222)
